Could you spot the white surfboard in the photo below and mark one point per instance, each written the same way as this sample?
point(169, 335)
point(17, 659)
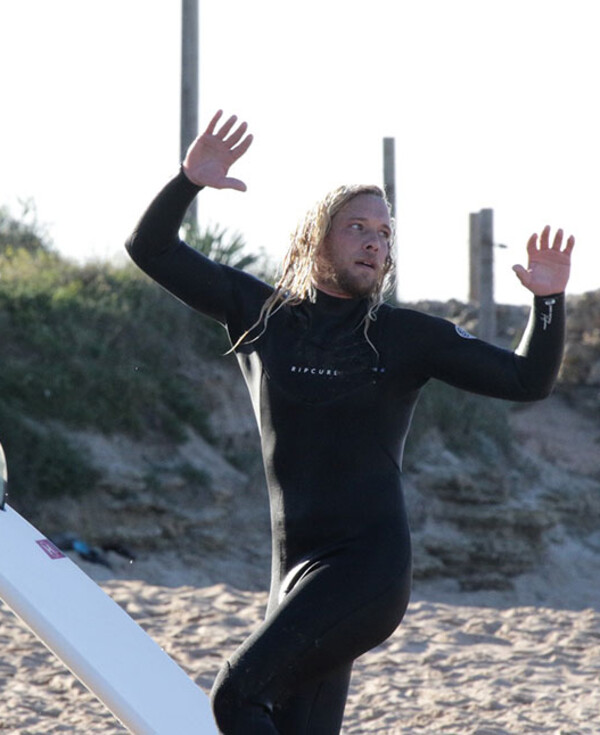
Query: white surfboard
point(93, 636)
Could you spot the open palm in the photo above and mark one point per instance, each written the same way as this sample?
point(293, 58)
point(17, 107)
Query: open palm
point(210, 156)
point(548, 266)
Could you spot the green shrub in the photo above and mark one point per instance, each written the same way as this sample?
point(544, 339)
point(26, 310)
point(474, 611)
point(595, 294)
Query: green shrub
point(95, 347)
point(24, 233)
point(99, 346)
point(42, 462)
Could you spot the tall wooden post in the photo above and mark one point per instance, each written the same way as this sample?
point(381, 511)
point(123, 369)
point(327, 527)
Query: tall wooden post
point(487, 306)
point(474, 262)
point(189, 83)
point(389, 172)
point(481, 271)
point(389, 181)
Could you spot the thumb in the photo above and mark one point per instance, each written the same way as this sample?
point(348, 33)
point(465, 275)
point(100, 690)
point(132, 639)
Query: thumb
point(522, 274)
point(237, 184)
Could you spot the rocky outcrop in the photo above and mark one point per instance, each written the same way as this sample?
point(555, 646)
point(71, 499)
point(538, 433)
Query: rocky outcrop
point(581, 365)
point(186, 501)
point(483, 524)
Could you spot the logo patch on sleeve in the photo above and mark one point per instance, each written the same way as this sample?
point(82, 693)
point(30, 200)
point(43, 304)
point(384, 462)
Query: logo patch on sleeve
point(463, 333)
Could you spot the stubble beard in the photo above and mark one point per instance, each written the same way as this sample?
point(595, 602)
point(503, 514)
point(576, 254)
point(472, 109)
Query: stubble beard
point(345, 281)
point(354, 286)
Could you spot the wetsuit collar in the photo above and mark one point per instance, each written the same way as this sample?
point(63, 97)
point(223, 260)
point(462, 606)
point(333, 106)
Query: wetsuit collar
point(335, 304)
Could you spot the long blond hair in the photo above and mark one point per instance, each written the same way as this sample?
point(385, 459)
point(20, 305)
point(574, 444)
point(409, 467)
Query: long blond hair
point(296, 283)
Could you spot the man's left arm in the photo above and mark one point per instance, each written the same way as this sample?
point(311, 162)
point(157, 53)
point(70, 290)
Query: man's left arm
point(546, 276)
point(531, 371)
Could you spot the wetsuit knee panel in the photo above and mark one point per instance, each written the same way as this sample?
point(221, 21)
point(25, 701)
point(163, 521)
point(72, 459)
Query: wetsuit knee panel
point(235, 713)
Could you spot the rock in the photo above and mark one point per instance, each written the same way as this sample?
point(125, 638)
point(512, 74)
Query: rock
point(581, 365)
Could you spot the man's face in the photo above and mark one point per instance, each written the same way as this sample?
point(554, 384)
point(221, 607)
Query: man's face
point(351, 261)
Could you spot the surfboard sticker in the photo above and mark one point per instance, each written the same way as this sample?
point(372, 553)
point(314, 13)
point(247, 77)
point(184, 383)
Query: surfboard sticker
point(3, 478)
point(50, 549)
point(95, 638)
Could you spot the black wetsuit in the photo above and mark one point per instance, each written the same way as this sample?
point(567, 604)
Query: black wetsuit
point(333, 415)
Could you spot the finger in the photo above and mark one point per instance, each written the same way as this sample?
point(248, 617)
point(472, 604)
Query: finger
point(237, 135)
point(545, 238)
point(226, 127)
point(570, 245)
point(213, 123)
point(557, 242)
point(532, 244)
point(239, 150)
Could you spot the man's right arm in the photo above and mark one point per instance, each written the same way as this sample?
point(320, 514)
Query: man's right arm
point(156, 248)
point(155, 245)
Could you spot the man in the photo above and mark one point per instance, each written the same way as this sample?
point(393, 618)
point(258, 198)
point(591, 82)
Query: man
point(334, 375)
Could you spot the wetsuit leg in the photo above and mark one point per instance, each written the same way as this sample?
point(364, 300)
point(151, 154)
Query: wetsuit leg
point(317, 708)
point(297, 648)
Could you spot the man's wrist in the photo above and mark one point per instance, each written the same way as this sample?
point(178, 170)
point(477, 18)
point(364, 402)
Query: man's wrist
point(183, 173)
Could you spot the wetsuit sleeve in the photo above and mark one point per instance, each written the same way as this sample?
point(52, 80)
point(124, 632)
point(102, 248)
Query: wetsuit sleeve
point(527, 374)
point(214, 289)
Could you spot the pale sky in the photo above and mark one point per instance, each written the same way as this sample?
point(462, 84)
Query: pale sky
point(492, 103)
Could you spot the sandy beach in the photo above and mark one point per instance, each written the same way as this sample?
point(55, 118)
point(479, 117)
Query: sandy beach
point(468, 664)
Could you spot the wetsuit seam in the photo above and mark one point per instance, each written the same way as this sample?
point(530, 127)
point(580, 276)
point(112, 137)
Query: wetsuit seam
point(312, 709)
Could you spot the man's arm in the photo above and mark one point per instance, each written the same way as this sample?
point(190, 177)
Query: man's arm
point(452, 355)
point(155, 245)
point(530, 372)
point(546, 276)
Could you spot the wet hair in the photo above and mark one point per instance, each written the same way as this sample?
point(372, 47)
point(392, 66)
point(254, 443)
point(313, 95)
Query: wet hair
point(297, 281)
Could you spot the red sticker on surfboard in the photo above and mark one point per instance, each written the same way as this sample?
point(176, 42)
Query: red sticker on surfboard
point(50, 549)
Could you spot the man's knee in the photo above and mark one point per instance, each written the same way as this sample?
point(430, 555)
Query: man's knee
point(225, 701)
point(235, 712)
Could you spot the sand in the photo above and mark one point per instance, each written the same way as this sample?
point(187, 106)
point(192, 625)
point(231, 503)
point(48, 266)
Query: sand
point(459, 666)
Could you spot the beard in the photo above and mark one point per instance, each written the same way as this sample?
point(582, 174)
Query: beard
point(354, 284)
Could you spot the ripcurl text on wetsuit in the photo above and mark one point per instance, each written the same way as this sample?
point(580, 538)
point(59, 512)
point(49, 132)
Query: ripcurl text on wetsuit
point(333, 415)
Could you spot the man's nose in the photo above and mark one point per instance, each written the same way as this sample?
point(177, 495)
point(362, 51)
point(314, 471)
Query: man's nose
point(371, 241)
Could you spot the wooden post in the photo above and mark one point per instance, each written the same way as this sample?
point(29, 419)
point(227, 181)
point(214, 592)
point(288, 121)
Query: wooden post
point(189, 83)
point(481, 271)
point(474, 250)
point(389, 184)
point(389, 172)
point(487, 307)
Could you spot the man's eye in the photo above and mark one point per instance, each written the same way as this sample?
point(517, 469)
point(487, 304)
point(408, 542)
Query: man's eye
point(356, 226)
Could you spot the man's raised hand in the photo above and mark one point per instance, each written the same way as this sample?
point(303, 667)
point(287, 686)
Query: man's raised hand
point(210, 156)
point(548, 265)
